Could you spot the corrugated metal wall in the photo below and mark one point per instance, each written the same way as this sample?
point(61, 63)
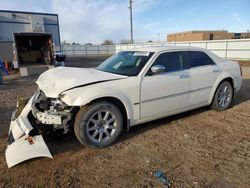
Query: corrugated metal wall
point(6, 47)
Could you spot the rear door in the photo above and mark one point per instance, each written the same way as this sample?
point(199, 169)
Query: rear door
point(203, 72)
point(168, 92)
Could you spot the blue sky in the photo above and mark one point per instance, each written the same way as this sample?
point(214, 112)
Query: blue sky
point(96, 20)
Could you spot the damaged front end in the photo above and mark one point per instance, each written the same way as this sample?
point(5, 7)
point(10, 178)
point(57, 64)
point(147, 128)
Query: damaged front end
point(33, 117)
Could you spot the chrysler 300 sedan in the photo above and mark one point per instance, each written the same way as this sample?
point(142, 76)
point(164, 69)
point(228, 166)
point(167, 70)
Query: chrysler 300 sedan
point(129, 88)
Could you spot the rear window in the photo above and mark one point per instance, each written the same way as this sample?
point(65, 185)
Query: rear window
point(198, 58)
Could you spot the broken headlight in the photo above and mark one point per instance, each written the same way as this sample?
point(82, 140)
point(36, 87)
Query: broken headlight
point(57, 104)
point(40, 101)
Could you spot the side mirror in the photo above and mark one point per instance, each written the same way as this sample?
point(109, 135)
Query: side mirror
point(156, 69)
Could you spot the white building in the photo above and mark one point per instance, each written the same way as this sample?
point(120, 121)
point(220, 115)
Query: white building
point(33, 37)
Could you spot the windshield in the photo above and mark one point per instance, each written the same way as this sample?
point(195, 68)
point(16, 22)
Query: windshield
point(128, 63)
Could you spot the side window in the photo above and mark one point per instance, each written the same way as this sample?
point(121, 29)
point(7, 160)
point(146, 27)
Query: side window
point(172, 61)
point(198, 58)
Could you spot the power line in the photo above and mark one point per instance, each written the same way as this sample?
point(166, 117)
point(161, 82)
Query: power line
point(131, 21)
point(75, 15)
point(77, 7)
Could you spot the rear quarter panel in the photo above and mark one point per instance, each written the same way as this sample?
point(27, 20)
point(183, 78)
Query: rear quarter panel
point(233, 68)
point(229, 69)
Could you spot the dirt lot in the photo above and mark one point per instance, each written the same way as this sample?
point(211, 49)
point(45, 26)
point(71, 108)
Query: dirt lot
point(201, 148)
point(244, 63)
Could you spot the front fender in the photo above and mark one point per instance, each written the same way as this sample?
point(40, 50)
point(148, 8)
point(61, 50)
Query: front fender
point(84, 95)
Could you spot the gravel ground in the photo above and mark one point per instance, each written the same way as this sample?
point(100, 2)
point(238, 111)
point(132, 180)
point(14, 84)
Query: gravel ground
point(200, 148)
point(85, 61)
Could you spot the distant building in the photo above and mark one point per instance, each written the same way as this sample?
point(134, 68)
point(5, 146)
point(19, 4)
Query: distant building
point(205, 35)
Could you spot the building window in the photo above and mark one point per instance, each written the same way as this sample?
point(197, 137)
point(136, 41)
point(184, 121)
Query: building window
point(211, 36)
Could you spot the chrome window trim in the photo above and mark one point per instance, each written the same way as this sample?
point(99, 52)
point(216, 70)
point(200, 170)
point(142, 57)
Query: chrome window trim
point(202, 66)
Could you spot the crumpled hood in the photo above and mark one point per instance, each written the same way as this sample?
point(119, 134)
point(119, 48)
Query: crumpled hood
point(56, 80)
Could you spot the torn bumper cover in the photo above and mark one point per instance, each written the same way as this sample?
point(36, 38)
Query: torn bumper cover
point(25, 142)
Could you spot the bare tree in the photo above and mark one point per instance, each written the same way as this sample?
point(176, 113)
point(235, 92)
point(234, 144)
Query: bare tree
point(108, 42)
point(75, 43)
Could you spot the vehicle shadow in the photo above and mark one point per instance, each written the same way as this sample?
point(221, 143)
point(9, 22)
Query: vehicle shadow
point(244, 93)
point(5, 114)
point(66, 143)
point(63, 143)
point(166, 121)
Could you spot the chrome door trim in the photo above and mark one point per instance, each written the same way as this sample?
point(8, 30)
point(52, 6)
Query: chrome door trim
point(175, 95)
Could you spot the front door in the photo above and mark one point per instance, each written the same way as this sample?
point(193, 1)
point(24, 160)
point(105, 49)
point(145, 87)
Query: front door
point(167, 92)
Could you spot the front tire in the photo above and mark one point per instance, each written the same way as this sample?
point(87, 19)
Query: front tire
point(98, 125)
point(223, 96)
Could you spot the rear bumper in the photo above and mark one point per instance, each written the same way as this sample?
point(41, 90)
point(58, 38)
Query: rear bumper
point(238, 83)
point(24, 140)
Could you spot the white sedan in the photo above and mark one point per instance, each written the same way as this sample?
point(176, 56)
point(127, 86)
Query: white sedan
point(129, 88)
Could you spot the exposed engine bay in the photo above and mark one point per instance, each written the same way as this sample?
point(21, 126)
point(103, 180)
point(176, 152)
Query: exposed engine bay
point(53, 112)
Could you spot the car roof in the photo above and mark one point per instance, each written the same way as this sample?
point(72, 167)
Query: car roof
point(164, 48)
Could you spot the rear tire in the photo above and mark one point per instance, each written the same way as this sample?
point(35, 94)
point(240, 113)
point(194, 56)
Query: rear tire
point(98, 125)
point(223, 96)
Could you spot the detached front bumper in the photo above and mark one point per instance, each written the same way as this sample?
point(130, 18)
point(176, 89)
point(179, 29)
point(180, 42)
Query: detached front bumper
point(25, 142)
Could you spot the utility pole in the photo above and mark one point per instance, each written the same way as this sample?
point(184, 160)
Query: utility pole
point(73, 35)
point(158, 34)
point(73, 43)
point(131, 22)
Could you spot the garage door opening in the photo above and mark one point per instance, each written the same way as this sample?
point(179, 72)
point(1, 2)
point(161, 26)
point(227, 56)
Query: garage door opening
point(34, 48)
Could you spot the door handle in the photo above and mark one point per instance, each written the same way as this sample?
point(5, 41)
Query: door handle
point(184, 76)
point(216, 70)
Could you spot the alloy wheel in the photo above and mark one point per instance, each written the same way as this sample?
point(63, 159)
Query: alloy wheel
point(101, 126)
